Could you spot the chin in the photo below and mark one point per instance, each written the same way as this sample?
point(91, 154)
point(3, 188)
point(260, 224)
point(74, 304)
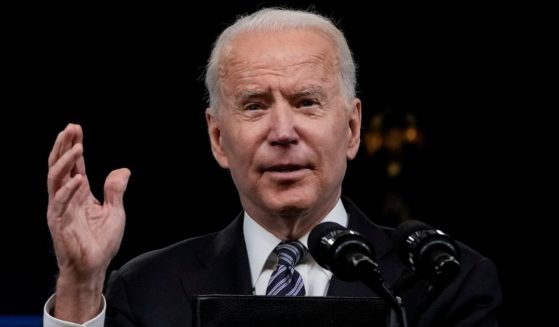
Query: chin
point(290, 205)
point(291, 211)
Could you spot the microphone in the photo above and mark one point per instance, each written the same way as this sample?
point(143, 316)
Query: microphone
point(429, 252)
point(349, 256)
point(337, 248)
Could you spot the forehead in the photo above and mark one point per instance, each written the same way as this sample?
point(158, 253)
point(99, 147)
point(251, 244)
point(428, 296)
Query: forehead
point(285, 53)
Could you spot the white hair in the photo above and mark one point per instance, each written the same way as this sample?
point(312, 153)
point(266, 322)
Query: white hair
point(274, 19)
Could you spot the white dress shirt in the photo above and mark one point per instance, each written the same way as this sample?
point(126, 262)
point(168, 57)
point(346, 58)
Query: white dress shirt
point(50, 321)
point(262, 260)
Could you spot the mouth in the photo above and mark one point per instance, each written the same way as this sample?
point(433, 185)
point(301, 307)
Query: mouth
point(287, 168)
point(287, 173)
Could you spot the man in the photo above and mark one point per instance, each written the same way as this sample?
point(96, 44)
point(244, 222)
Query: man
point(284, 119)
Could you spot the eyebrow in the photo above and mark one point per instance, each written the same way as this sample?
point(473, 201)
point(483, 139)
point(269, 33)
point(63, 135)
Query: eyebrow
point(251, 94)
point(312, 90)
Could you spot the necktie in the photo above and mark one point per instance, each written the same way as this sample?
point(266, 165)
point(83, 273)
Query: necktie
point(285, 280)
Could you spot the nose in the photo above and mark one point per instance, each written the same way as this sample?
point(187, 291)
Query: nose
point(282, 126)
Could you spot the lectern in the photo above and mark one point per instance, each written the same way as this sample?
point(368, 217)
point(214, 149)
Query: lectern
point(277, 311)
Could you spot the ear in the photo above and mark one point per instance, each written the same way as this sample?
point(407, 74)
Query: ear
point(354, 131)
point(214, 131)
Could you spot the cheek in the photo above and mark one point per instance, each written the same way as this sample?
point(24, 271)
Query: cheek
point(335, 137)
point(239, 147)
point(333, 147)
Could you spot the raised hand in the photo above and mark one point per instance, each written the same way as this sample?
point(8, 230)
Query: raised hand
point(86, 233)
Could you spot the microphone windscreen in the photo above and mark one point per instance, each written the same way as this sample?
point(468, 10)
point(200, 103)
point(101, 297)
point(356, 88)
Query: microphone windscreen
point(403, 231)
point(428, 251)
point(318, 250)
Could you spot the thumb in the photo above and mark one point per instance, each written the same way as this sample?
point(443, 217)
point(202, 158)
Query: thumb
point(115, 185)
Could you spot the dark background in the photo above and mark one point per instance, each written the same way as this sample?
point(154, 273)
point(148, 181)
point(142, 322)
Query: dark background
point(132, 77)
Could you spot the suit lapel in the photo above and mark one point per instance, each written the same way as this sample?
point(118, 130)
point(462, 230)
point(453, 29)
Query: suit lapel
point(224, 264)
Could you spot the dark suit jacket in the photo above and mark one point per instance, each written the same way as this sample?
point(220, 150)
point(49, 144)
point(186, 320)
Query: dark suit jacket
point(156, 288)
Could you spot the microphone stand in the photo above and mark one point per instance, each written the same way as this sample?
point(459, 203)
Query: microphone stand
point(407, 279)
point(369, 273)
point(434, 289)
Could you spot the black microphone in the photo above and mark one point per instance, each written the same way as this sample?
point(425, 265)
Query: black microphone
point(335, 248)
point(349, 256)
point(429, 252)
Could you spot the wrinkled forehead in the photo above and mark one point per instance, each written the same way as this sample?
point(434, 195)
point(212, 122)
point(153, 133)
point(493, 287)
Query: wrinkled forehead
point(285, 52)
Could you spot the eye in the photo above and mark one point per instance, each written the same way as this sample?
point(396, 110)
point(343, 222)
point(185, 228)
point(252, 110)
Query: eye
point(307, 103)
point(253, 106)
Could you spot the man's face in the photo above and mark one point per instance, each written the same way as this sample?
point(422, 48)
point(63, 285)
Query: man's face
point(283, 129)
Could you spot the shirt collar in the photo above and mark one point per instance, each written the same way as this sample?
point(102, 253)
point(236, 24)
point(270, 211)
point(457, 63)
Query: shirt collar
point(260, 242)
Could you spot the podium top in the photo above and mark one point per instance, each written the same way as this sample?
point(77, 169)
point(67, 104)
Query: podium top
point(278, 311)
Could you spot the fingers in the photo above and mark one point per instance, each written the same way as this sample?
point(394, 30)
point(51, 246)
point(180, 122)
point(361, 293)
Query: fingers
point(79, 168)
point(53, 156)
point(59, 173)
point(65, 140)
point(115, 185)
point(64, 195)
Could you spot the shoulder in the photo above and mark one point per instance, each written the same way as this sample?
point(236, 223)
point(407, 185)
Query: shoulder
point(477, 271)
point(151, 287)
point(183, 256)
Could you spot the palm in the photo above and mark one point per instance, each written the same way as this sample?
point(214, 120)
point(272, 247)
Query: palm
point(86, 233)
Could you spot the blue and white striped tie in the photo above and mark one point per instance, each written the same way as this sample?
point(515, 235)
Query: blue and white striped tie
point(285, 280)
